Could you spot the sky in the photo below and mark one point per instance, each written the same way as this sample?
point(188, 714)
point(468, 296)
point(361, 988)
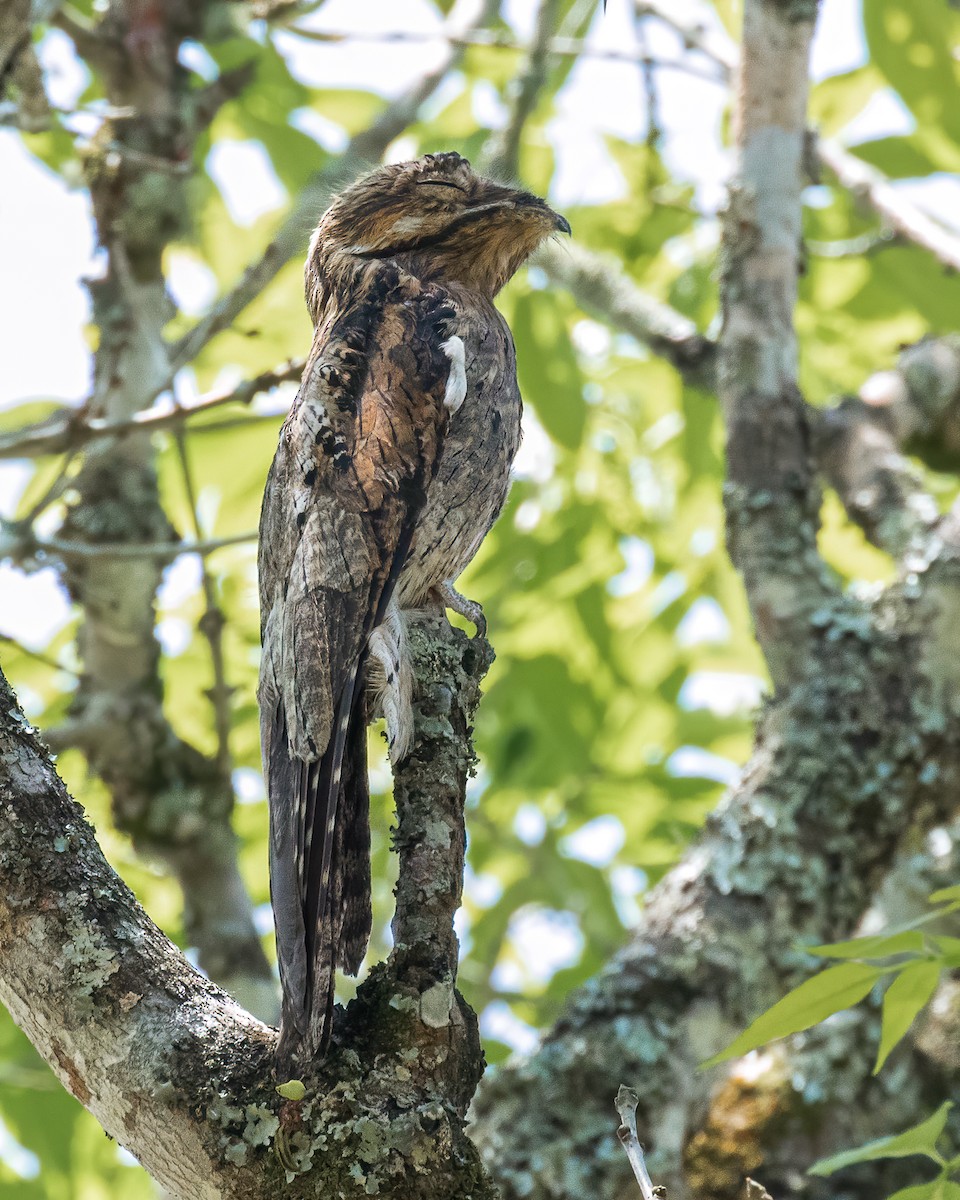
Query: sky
point(46, 247)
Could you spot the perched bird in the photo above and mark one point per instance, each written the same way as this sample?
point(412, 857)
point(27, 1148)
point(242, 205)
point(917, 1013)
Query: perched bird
point(392, 466)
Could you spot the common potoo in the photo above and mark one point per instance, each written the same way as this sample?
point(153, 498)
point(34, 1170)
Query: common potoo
point(392, 466)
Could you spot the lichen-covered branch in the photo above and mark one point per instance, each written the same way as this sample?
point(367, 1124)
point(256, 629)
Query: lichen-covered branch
point(861, 446)
point(175, 1070)
point(793, 856)
point(771, 497)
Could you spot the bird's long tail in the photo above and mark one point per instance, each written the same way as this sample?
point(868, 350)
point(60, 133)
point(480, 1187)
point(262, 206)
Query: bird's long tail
point(326, 923)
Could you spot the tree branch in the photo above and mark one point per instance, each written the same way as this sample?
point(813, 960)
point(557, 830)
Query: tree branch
point(601, 287)
point(771, 498)
point(177, 1072)
point(72, 428)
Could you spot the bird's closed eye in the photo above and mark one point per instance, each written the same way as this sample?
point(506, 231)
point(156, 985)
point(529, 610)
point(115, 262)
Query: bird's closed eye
point(440, 183)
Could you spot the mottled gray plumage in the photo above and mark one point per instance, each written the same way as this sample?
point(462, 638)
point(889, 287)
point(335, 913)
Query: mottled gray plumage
point(392, 466)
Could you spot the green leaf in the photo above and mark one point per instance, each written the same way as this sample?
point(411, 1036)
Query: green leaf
point(939, 1189)
point(903, 999)
point(919, 1139)
point(840, 98)
point(547, 367)
point(829, 992)
point(879, 946)
point(945, 895)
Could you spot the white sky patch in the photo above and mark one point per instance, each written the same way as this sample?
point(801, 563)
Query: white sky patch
point(481, 889)
point(14, 477)
point(527, 516)
point(529, 824)
point(725, 693)
point(32, 607)
point(64, 76)
point(263, 919)
point(174, 635)
point(378, 66)
point(541, 941)
point(46, 245)
point(248, 786)
point(838, 43)
point(125, 1158)
point(326, 133)
point(704, 621)
point(499, 1023)
point(693, 762)
point(884, 115)
point(243, 172)
point(597, 842)
point(939, 195)
point(487, 107)
point(191, 283)
point(639, 559)
point(591, 338)
point(181, 580)
point(702, 542)
point(629, 886)
point(21, 1161)
point(196, 58)
point(536, 459)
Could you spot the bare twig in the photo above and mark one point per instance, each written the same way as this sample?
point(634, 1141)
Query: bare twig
point(70, 429)
point(648, 78)
point(18, 544)
point(557, 47)
point(211, 626)
point(626, 1102)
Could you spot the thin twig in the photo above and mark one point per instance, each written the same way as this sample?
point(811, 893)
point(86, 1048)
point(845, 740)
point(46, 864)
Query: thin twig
point(557, 47)
point(601, 286)
point(10, 640)
point(626, 1102)
point(17, 545)
point(648, 78)
point(67, 430)
point(211, 625)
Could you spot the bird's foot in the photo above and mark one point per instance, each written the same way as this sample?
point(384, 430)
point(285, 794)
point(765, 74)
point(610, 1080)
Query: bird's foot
point(451, 598)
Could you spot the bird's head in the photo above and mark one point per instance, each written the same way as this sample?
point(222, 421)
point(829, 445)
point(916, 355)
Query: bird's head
point(436, 218)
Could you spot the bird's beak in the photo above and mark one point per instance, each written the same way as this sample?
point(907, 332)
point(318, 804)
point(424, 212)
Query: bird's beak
point(563, 225)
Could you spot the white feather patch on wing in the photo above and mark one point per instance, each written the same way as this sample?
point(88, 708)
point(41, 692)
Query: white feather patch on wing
point(391, 680)
point(456, 391)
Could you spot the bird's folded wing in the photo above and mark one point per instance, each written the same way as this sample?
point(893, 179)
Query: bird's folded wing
point(355, 458)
